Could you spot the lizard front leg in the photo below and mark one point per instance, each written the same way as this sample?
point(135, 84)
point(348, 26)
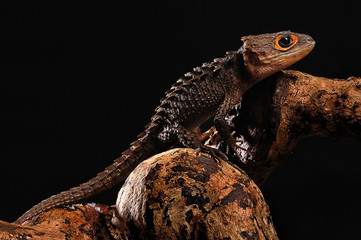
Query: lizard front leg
point(189, 139)
point(224, 129)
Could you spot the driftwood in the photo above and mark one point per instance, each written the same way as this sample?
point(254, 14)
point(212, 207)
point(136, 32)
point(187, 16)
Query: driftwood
point(180, 194)
point(89, 221)
point(275, 115)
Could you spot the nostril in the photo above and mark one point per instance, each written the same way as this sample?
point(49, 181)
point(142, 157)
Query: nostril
point(310, 39)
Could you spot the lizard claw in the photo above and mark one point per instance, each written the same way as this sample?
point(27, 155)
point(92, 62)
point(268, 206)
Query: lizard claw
point(216, 154)
point(237, 150)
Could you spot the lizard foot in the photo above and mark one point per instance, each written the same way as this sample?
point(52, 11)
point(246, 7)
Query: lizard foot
point(216, 154)
point(237, 150)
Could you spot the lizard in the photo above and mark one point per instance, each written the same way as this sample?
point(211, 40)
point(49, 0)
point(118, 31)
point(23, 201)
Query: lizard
point(210, 90)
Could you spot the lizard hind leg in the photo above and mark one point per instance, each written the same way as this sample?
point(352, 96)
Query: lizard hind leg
point(190, 139)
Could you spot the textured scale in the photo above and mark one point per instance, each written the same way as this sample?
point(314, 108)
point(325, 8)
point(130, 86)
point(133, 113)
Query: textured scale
point(207, 91)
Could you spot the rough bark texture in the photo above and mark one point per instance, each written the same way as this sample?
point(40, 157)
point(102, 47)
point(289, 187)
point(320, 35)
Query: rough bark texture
point(291, 106)
point(180, 194)
point(276, 115)
point(89, 221)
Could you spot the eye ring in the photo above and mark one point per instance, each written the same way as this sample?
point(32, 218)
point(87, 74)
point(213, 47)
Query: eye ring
point(284, 42)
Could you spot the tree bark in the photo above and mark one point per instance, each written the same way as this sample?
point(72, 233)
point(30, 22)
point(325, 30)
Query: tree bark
point(275, 116)
point(91, 221)
point(291, 106)
point(181, 194)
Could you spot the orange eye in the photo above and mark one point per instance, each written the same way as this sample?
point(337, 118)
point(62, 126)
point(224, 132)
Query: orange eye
point(285, 42)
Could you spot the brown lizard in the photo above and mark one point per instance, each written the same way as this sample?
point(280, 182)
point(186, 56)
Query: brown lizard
point(210, 90)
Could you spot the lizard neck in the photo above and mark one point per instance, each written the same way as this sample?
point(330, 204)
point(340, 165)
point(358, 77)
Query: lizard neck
point(242, 78)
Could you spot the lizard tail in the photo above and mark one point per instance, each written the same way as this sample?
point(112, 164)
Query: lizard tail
point(114, 174)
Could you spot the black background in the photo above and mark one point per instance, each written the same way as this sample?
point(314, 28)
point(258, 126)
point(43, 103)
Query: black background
point(81, 79)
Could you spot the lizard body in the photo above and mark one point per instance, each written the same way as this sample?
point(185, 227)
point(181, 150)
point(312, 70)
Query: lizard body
point(210, 90)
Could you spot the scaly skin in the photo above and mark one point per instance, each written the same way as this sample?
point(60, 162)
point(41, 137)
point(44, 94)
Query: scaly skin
point(210, 90)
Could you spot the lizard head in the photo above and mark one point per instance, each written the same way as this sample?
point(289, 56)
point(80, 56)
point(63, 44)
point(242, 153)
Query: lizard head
point(266, 54)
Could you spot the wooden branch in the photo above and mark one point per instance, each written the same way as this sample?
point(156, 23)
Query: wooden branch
point(91, 221)
point(281, 111)
point(178, 194)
